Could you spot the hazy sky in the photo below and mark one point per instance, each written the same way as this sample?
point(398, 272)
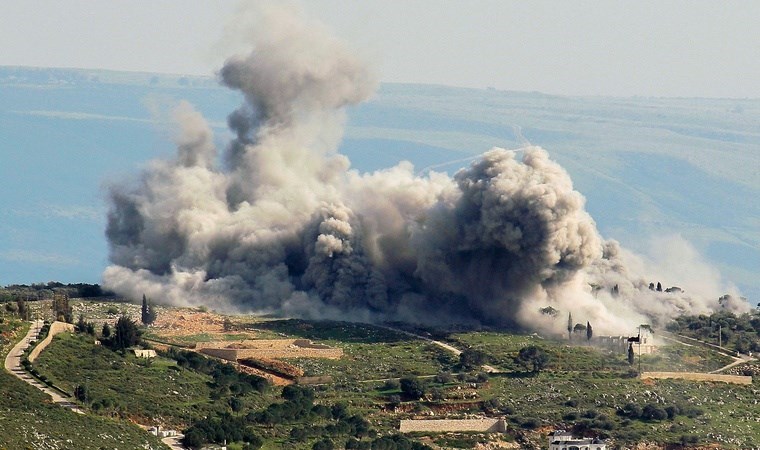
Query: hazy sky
point(660, 48)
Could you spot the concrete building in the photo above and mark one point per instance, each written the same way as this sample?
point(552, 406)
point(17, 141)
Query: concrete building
point(563, 440)
point(142, 353)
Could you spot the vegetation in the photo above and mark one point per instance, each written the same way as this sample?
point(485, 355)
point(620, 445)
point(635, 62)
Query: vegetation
point(73, 361)
point(386, 375)
point(736, 333)
point(147, 312)
point(533, 358)
point(36, 423)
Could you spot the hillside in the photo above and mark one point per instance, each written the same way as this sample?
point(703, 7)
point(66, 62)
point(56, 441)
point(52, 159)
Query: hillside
point(29, 420)
point(383, 376)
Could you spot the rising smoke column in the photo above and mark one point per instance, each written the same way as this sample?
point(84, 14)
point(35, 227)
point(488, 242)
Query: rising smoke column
point(278, 222)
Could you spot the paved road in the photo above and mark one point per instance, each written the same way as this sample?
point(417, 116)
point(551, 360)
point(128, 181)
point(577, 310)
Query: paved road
point(13, 365)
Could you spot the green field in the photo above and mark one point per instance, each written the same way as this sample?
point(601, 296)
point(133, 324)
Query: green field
point(151, 391)
point(592, 391)
point(29, 420)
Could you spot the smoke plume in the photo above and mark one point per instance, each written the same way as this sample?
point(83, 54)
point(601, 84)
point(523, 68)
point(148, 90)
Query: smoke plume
point(278, 222)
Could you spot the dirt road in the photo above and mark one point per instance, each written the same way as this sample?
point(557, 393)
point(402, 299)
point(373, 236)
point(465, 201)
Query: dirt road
point(13, 365)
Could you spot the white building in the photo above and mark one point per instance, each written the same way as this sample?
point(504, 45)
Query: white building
point(142, 353)
point(563, 440)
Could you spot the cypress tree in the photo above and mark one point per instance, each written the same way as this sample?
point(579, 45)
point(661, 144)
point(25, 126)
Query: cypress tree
point(630, 354)
point(144, 316)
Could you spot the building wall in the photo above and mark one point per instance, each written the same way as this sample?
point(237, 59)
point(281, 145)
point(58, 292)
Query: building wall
point(233, 354)
point(443, 425)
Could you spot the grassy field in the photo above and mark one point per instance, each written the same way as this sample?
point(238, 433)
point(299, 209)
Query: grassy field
point(151, 391)
point(29, 420)
point(583, 388)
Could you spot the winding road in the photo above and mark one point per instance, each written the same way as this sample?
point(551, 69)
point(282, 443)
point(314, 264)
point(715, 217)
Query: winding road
point(13, 365)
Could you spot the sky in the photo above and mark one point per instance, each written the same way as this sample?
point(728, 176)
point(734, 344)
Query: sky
point(688, 48)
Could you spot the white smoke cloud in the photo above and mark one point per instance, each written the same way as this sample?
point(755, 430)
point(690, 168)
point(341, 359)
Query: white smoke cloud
point(283, 224)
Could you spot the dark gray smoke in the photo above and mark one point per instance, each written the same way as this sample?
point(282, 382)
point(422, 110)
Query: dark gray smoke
point(283, 225)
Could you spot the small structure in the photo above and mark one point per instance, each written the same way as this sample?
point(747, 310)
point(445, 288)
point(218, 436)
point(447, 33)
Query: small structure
point(157, 431)
point(564, 440)
point(143, 353)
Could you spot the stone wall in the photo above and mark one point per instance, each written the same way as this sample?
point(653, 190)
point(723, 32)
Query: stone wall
point(268, 349)
point(230, 354)
point(55, 328)
point(735, 379)
point(443, 425)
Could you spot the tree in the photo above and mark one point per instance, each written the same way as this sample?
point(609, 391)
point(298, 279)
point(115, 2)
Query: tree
point(106, 332)
point(126, 334)
point(471, 358)
point(148, 314)
point(81, 324)
point(23, 310)
point(589, 331)
point(412, 387)
point(324, 444)
point(80, 393)
point(533, 358)
point(570, 326)
point(549, 311)
point(630, 354)
point(659, 287)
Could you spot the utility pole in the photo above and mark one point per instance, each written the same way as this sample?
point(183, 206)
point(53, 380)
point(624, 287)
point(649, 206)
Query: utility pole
point(720, 335)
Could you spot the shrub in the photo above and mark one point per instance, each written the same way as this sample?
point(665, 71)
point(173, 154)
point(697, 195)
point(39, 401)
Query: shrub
point(672, 411)
point(571, 416)
point(390, 385)
point(530, 423)
point(653, 412)
point(324, 444)
point(631, 410)
point(412, 387)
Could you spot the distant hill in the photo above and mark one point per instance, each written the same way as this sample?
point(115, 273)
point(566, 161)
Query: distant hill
point(647, 166)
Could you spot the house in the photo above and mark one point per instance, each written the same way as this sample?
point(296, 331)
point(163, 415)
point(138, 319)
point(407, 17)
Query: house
point(563, 440)
point(141, 353)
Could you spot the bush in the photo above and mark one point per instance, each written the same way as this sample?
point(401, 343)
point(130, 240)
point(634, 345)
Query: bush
point(443, 378)
point(590, 414)
point(653, 412)
point(631, 410)
point(530, 423)
point(390, 385)
point(571, 416)
point(412, 387)
point(324, 444)
point(672, 411)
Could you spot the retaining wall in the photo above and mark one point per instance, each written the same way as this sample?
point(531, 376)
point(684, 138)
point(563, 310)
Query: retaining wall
point(735, 379)
point(444, 425)
point(269, 349)
point(55, 328)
